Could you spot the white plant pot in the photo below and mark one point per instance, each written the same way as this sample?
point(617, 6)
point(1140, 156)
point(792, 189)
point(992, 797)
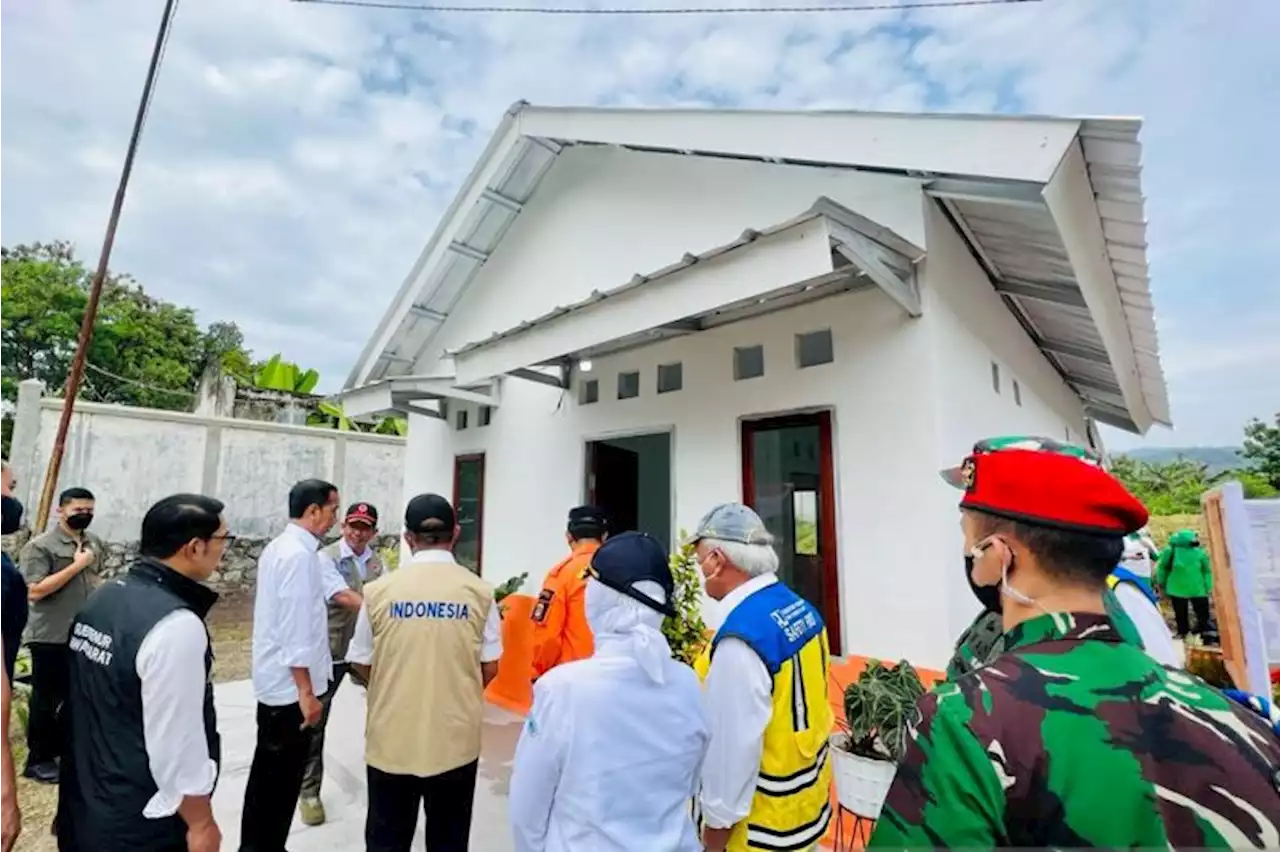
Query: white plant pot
point(861, 783)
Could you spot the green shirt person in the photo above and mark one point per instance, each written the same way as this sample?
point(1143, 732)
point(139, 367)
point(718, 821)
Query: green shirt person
point(1072, 736)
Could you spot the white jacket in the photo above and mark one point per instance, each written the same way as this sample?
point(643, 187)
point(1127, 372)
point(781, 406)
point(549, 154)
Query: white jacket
point(609, 760)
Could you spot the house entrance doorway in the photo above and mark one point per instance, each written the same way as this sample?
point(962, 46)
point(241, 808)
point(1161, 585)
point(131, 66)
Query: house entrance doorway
point(788, 479)
point(630, 479)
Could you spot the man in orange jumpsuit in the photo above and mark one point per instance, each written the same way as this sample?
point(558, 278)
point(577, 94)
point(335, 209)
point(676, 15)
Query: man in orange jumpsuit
point(560, 630)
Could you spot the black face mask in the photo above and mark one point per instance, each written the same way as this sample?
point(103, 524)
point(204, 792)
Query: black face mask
point(80, 521)
point(988, 596)
point(12, 515)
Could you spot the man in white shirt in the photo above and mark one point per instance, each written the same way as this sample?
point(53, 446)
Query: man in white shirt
point(291, 661)
point(593, 772)
point(766, 778)
point(144, 747)
point(427, 639)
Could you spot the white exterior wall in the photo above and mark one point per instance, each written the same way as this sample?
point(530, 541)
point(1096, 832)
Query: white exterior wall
point(882, 419)
point(970, 328)
point(601, 216)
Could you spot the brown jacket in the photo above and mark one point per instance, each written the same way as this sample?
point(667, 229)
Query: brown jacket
point(342, 621)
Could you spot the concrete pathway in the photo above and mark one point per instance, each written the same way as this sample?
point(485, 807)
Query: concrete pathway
point(343, 793)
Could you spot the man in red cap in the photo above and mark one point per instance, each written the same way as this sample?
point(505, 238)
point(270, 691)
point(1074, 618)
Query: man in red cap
point(1072, 737)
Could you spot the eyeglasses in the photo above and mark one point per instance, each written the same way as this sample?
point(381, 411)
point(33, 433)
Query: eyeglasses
point(225, 537)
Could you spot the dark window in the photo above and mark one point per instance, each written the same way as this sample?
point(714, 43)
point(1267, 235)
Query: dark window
point(995, 377)
point(485, 416)
point(460, 419)
point(748, 362)
point(814, 348)
point(628, 385)
point(670, 377)
point(588, 391)
point(1017, 393)
point(468, 502)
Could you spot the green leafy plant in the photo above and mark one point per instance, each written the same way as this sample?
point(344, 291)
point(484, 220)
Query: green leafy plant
point(390, 557)
point(280, 375)
point(687, 632)
point(878, 708)
point(507, 589)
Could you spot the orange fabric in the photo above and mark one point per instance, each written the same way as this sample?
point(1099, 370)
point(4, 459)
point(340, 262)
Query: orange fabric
point(512, 688)
point(561, 633)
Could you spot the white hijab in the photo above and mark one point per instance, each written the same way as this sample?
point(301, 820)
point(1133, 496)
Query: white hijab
point(624, 625)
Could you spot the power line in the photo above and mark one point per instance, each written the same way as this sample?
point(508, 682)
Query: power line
point(685, 10)
point(143, 385)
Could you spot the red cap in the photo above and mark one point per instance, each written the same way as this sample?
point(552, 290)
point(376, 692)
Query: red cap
point(1050, 489)
point(362, 513)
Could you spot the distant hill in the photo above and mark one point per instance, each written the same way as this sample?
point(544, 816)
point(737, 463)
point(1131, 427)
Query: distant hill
point(1217, 458)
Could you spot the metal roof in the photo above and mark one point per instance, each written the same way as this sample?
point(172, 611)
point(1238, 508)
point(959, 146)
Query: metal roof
point(1018, 244)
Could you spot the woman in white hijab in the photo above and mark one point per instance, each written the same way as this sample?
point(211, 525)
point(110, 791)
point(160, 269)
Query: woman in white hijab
point(610, 754)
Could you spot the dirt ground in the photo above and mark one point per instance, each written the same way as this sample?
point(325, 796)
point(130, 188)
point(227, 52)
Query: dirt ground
point(230, 628)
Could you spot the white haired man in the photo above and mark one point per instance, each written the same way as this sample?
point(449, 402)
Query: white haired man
point(766, 779)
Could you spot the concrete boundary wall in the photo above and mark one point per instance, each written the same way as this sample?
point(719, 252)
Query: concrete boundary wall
point(131, 457)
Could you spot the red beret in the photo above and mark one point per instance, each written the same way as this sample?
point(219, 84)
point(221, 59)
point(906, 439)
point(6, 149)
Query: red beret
point(1050, 489)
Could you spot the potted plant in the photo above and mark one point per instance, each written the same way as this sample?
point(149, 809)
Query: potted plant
point(686, 633)
point(505, 590)
point(878, 709)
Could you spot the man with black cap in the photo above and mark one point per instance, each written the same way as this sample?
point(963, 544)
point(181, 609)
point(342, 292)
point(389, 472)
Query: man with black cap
point(427, 639)
point(560, 630)
point(354, 560)
point(1072, 736)
point(594, 772)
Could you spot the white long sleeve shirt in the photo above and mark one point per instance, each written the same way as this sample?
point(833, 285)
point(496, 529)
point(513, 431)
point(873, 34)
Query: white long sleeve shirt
point(739, 700)
point(290, 619)
point(608, 760)
point(170, 664)
point(1156, 639)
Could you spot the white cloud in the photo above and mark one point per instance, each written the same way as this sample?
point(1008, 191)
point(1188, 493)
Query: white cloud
point(298, 156)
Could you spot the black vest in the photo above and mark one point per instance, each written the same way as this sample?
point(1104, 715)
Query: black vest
point(106, 778)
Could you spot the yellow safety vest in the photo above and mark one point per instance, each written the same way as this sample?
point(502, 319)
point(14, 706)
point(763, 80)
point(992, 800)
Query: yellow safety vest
point(791, 807)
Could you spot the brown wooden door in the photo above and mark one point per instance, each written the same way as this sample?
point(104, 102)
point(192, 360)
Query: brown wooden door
point(787, 477)
point(614, 484)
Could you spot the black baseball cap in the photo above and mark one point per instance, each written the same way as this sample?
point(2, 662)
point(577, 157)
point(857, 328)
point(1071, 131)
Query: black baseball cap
point(590, 517)
point(626, 559)
point(429, 513)
point(362, 513)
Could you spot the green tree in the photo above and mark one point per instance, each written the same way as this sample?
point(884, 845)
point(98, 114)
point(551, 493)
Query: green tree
point(1262, 447)
point(145, 351)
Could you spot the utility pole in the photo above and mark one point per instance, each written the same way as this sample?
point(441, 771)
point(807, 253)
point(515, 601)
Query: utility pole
point(95, 291)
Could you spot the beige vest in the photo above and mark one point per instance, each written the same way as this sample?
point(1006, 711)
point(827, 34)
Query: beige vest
point(342, 621)
point(426, 696)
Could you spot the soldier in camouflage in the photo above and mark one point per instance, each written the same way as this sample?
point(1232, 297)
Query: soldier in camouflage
point(1072, 736)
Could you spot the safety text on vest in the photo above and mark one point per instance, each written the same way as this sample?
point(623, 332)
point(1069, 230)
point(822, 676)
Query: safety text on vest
point(92, 644)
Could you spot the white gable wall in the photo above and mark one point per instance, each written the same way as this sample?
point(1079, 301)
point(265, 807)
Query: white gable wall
point(602, 215)
point(970, 328)
point(878, 388)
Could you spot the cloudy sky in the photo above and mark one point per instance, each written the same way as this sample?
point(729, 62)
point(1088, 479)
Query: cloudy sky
point(298, 156)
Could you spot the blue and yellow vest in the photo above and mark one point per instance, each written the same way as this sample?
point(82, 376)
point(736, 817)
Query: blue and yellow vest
point(791, 806)
point(1124, 575)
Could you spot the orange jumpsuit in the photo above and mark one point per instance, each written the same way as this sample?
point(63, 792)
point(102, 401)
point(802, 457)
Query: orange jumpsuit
point(560, 630)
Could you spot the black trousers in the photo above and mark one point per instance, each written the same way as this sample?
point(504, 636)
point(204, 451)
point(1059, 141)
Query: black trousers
point(49, 662)
point(275, 778)
point(313, 775)
point(446, 801)
point(1201, 608)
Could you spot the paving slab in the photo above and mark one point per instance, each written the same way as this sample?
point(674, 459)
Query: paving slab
point(344, 789)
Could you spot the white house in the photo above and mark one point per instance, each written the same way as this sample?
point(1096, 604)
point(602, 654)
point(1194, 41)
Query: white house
point(812, 312)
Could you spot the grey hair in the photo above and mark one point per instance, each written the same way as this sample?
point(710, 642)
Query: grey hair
point(755, 560)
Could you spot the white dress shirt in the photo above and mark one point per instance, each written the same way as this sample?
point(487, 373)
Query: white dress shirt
point(739, 698)
point(1156, 638)
point(170, 664)
point(361, 559)
point(608, 760)
point(290, 619)
point(360, 650)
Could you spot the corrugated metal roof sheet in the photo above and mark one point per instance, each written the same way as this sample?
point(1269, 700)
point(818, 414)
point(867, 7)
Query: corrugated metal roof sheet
point(1019, 243)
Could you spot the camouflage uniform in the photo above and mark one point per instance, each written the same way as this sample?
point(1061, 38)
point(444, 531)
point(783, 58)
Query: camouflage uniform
point(1012, 754)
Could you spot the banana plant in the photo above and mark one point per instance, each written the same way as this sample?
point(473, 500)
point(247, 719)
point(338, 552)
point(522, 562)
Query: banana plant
point(280, 375)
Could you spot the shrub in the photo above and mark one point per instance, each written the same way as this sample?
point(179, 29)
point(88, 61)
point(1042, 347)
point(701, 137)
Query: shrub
point(686, 633)
point(879, 707)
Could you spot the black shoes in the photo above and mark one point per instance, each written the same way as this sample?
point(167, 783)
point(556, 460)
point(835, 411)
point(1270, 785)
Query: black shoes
point(45, 772)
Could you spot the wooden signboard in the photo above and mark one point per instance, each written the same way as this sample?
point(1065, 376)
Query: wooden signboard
point(1246, 582)
point(1224, 591)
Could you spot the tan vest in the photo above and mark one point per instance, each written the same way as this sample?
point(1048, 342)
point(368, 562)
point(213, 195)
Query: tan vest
point(426, 696)
point(342, 621)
